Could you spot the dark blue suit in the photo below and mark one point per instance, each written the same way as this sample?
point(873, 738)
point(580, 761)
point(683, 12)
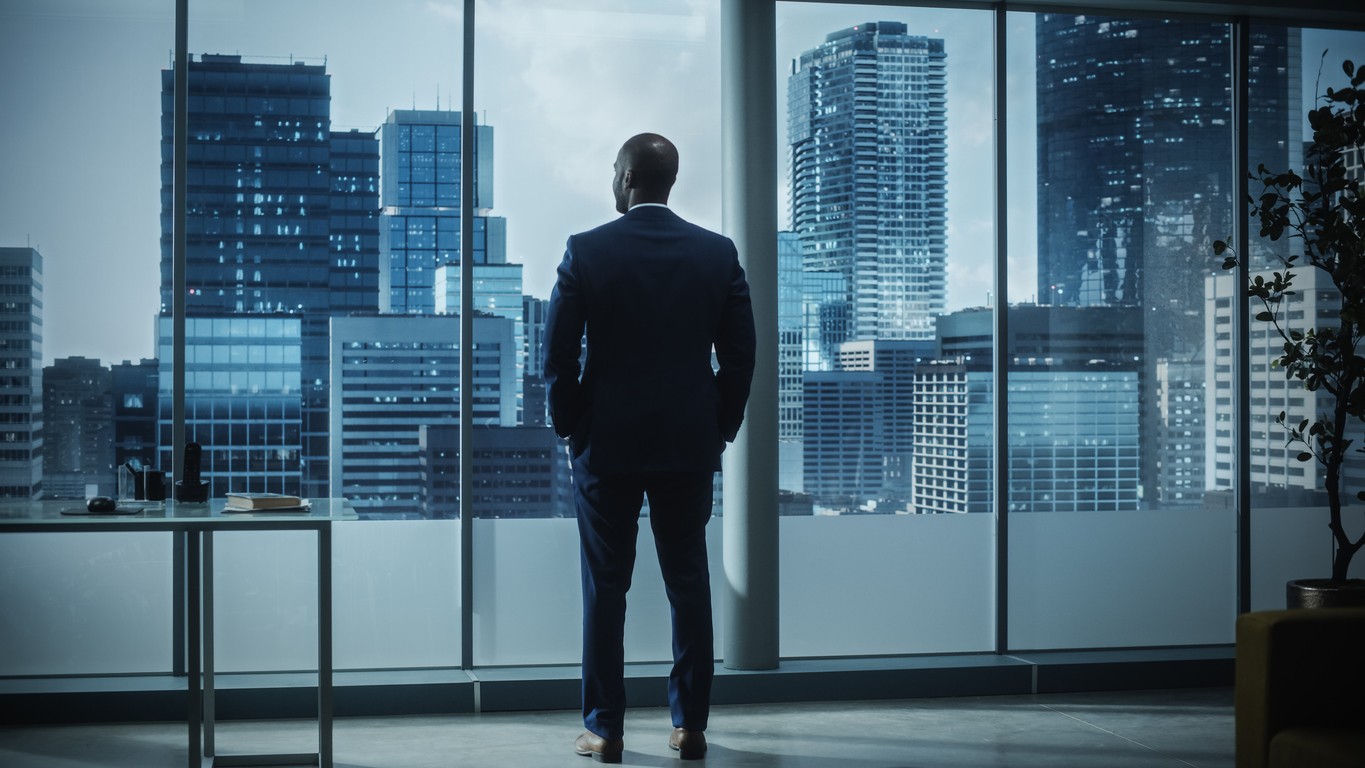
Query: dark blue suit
point(648, 416)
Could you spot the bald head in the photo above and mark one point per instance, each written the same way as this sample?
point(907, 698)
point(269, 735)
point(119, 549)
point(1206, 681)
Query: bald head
point(646, 168)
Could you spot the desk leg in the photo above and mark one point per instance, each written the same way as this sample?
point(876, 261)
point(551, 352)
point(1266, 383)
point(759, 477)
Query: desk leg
point(192, 668)
point(325, 646)
point(178, 600)
point(208, 643)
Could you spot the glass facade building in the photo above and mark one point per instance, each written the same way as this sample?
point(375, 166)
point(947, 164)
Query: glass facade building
point(396, 375)
point(262, 202)
point(867, 135)
point(78, 459)
point(421, 206)
point(21, 373)
point(243, 400)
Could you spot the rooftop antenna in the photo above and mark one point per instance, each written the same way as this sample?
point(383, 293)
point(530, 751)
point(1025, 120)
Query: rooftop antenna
point(438, 97)
point(414, 100)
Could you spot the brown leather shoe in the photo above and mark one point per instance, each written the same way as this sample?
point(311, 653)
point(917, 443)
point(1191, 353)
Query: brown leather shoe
point(600, 749)
point(691, 745)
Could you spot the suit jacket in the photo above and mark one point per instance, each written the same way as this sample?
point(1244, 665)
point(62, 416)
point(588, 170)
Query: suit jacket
point(655, 294)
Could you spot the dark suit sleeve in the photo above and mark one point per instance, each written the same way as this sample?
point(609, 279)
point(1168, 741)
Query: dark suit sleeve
point(564, 324)
point(735, 351)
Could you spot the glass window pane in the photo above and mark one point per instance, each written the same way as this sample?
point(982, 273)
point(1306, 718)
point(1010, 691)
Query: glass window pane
point(643, 67)
point(1120, 180)
point(1290, 509)
point(885, 326)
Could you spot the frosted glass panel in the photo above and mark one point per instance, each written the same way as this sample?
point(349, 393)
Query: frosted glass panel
point(528, 603)
point(1295, 543)
point(887, 584)
point(395, 597)
point(1113, 580)
point(85, 603)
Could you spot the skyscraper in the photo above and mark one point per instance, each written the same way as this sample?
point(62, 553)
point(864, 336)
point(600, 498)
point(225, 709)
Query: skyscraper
point(1134, 161)
point(263, 197)
point(1134, 185)
point(421, 206)
point(533, 393)
point(21, 380)
point(844, 428)
point(1074, 378)
point(78, 421)
point(897, 362)
point(497, 293)
point(1277, 477)
point(395, 375)
point(519, 472)
point(867, 133)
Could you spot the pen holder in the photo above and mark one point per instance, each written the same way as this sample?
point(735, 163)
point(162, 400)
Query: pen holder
point(152, 486)
point(193, 492)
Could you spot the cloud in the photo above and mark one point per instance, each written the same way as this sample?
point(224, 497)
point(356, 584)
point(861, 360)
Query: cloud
point(564, 88)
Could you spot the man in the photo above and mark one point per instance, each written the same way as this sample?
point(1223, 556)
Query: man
point(649, 417)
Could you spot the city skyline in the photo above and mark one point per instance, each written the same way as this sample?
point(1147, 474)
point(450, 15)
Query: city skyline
point(108, 267)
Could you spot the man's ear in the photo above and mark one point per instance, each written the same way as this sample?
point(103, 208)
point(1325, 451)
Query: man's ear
point(626, 179)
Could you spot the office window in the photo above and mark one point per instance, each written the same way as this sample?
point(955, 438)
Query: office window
point(297, 382)
point(560, 101)
point(1290, 539)
point(885, 258)
point(1120, 178)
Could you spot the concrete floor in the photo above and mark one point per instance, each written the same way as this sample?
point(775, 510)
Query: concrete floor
point(1162, 729)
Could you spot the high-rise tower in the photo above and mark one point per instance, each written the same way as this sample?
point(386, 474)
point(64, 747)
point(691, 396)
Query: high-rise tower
point(1134, 152)
point(273, 250)
point(867, 133)
point(421, 206)
point(21, 381)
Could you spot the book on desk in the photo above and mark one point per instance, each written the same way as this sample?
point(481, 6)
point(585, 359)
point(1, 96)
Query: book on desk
point(264, 502)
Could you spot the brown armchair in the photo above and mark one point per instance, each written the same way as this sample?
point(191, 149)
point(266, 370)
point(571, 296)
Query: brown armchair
point(1300, 700)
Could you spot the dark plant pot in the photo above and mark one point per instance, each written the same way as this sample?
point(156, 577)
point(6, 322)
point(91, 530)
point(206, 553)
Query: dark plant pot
point(1325, 593)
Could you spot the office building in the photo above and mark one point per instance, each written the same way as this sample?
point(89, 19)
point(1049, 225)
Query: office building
point(243, 400)
point(844, 424)
point(519, 472)
point(952, 465)
point(396, 374)
point(896, 361)
point(134, 387)
point(878, 217)
point(790, 355)
point(1134, 179)
point(353, 233)
point(262, 202)
point(826, 315)
point(420, 196)
point(789, 332)
point(1074, 378)
point(497, 293)
point(21, 381)
point(1277, 477)
point(1181, 407)
point(78, 456)
point(535, 406)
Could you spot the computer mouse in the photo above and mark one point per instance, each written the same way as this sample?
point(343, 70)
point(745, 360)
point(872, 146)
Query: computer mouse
point(100, 504)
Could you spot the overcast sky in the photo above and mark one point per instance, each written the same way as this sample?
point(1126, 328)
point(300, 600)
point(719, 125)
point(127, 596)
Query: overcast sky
point(563, 83)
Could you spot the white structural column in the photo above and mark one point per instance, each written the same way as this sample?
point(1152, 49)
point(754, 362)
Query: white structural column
point(749, 217)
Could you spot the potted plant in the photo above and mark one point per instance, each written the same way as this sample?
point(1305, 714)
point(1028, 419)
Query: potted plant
point(1325, 216)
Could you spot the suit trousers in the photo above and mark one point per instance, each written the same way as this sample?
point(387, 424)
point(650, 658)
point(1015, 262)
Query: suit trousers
point(608, 524)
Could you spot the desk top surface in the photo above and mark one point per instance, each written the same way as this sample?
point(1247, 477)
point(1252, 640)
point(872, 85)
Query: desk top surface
point(134, 514)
